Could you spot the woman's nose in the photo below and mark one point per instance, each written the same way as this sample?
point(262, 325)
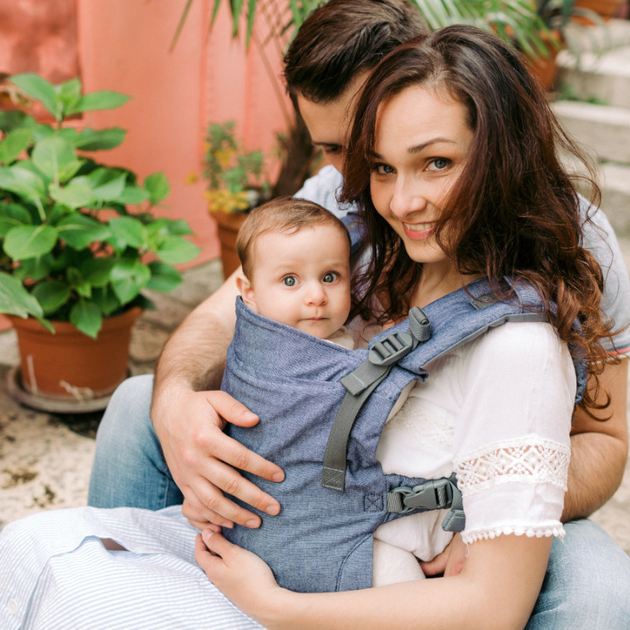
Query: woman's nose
point(406, 198)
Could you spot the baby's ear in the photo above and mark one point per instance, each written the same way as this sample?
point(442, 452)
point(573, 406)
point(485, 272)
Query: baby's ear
point(246, 290)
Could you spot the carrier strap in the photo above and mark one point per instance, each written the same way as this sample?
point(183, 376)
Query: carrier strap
point(435, 494)
point(359, 385)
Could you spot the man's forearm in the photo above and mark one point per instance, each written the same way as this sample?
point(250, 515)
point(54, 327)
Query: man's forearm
point(599, 449)
point(596, 470)
point(195, 354)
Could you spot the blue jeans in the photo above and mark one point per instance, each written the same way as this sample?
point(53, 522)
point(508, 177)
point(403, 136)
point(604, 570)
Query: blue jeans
point(587, 585)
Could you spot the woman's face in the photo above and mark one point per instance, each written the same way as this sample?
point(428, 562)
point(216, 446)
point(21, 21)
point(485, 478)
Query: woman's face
point(422, 144)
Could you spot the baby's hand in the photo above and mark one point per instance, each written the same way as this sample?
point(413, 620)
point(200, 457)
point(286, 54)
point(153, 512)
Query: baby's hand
point(449, 562)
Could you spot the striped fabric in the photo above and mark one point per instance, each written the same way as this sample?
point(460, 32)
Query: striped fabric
point(56, 574)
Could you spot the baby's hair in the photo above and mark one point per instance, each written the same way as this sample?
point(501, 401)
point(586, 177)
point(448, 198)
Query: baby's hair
point(283, 214)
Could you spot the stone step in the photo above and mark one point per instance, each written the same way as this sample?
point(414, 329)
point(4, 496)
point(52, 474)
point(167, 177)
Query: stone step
point(615, 185)
point(594, 38)
point(614, 182)
point(605, 78)
point(601, 129)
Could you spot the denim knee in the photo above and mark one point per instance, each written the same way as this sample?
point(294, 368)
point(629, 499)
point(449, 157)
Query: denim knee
point(129, 467)
point(587, 584)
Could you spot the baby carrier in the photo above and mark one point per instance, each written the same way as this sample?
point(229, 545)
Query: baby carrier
point(322, 409)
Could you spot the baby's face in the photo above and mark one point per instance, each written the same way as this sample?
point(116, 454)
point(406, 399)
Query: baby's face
point(302, 279)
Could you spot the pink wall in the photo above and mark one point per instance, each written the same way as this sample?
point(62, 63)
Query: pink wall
point(124, 46)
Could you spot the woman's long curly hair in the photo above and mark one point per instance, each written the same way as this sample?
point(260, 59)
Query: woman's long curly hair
point(514, 210)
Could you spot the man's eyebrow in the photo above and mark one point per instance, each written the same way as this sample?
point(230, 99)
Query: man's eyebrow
point(326, 144)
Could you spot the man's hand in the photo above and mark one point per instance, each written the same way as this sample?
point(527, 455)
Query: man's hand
point(189, 421)
point(203, 459)
point(449, 562)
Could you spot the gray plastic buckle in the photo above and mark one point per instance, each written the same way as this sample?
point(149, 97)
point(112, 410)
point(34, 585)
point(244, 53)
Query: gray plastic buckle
point(436, 494)
point(393, 348)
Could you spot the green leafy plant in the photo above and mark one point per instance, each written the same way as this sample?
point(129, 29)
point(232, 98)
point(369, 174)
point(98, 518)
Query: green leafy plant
point(515, 21)
point(71, 249)
point(236, 177)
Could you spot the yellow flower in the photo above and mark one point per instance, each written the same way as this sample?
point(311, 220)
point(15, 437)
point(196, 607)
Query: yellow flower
point(222, 200)
point(224, 157)
point(191, 178)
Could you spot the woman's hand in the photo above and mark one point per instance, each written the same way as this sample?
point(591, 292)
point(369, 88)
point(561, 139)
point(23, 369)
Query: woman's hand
point(245, 579)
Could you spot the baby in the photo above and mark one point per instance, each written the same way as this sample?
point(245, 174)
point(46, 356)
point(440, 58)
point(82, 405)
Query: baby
point(296, 265)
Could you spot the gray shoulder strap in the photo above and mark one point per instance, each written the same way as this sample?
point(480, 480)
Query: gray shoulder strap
point(359, 385)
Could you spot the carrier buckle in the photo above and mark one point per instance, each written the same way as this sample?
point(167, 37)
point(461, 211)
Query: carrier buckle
point(393, 348)
point(435, 494)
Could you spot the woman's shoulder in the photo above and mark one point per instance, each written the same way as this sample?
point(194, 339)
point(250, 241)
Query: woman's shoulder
point(516, 344)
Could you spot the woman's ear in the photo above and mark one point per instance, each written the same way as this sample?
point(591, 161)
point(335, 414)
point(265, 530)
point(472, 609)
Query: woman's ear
point(246, 290)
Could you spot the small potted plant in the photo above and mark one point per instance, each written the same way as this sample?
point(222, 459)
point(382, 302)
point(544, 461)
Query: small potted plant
point(78, 244)
point(237, 182)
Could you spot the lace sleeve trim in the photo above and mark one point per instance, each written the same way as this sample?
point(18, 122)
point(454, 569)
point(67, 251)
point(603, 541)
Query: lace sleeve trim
point(540, 531)
point(530, 459)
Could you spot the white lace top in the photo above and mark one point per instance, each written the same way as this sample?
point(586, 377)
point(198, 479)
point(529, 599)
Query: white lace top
point(497, 412)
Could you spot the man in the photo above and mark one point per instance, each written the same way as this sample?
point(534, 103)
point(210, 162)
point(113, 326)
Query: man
point(189, 454)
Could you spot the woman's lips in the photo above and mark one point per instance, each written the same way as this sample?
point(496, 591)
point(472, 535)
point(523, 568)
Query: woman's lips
point(418, 231)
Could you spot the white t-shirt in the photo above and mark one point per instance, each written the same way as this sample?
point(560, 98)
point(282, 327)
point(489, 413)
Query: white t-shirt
point(510, 449)
point(496, 411)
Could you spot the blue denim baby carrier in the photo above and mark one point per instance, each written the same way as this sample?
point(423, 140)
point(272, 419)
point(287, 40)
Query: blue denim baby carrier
point(322, 409)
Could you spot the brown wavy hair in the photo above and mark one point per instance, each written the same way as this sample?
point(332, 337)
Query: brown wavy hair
point(514, 210)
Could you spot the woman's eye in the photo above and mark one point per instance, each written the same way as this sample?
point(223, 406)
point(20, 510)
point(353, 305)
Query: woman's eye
point(383, 169)
point(331, 276)
point(439, 164)
point(289, 281)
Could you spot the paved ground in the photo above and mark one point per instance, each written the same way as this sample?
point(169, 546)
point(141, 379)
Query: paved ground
point(45, 460)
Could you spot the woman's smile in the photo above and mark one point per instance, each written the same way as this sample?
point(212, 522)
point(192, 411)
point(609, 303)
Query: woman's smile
point(419, 231)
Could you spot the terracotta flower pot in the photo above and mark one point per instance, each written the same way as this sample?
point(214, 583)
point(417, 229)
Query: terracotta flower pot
point(228, 226)
point(546, 68)
point(606, 8)
point(70, 366)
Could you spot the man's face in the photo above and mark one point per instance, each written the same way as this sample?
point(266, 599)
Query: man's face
point(329, 123)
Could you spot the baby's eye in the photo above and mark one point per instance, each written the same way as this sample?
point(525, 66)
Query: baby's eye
point(331, 276)
point(439, 164)
point(289, 281)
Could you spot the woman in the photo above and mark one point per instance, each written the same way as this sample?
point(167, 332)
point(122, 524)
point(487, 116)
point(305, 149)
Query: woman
point(454, 163)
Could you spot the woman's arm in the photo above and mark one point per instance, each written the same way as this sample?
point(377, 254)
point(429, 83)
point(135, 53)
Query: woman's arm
point(488, 593)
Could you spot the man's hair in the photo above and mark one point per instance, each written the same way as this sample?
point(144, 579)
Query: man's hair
point(342, 38)
point(280, 215)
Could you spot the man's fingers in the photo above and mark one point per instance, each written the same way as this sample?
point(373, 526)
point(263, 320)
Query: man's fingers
point(231, 409)
point(231, 482)
point(210, 500)
point(226, 449)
